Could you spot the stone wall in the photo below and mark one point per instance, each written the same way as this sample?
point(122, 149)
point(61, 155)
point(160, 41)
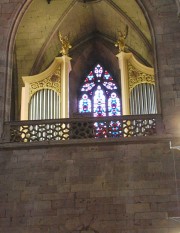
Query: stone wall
point(104, 188)
point(166, 28)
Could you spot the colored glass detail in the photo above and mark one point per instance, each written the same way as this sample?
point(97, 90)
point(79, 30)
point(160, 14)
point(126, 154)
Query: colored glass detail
point(115, 129)
point(114, 105)
point(87, 86)
point(110, 85)
point(101, 94)
point(90, 77)
point(98, 70)
point(99, 103)
point(85, 104)
point(107, 76)
point(100, 129)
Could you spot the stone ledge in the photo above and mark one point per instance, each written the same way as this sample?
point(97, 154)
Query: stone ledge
point(123, 141)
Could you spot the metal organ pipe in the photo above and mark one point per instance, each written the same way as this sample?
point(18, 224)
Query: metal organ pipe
point(146, 98)
point(53, 105)
point(154, 100)
point(151, 91)
point(51, 113)
point(132, 105)
point(40, 107)
point(143, 99)
point(48, 112)
point(138, 99)
point(44, 104)
point(135, 101)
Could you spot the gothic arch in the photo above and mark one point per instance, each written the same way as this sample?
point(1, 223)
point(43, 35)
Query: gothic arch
point(9, 60)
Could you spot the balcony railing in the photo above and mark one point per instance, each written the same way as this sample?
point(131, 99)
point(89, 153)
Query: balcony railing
point(82, 128)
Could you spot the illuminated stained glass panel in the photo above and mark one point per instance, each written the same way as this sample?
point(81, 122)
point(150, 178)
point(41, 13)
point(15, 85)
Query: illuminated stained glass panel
point(99, 103)
point(99, 95)
point(85, 104)
point(100, 130)
point(115, 129)
point(87, 86)
point(114, 105)
point(107, 76)
point(98, 70)
point(110, 85)
point(90, 77)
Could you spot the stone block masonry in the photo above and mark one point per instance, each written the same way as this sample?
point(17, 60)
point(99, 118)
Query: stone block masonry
point(104, 188)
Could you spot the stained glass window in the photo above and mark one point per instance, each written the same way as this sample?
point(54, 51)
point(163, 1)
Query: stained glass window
point(114, 105)
point(98, 70)
point(85, 104)
point(99, 95)
point(99, 103)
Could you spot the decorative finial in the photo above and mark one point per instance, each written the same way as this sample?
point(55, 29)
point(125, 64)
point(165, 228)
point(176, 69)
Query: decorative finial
point(65, 44)
point(120, 43)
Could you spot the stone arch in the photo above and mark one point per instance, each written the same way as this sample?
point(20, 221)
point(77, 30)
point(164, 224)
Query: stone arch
point(17, 17)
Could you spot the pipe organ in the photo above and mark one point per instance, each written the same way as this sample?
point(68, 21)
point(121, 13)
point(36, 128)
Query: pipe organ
point(43, 93)
point(137, 86)
point(46, 95)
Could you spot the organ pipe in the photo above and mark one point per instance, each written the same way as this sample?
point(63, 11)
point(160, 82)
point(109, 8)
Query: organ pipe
point(44, 104)
point(143, 99)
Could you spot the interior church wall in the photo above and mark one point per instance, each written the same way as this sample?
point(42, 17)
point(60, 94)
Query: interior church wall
point(167, 60)
point(127, 188)
point(89, 188)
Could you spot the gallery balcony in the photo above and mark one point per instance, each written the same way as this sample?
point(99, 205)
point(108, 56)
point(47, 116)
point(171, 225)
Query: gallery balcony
point(84, 129)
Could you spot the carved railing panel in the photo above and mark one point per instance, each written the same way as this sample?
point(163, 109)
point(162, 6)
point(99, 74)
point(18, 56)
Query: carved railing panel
point(82, 128)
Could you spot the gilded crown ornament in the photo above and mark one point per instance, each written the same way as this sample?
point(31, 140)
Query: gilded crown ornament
point(120, 43)
point(65, 44)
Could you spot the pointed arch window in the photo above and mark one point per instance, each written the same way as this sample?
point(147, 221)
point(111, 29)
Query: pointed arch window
point(99, 94)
